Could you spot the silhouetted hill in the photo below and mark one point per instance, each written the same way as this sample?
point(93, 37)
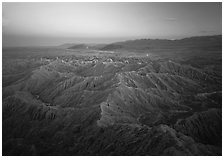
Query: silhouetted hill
point(86, 46)
point(79, 46)
point(66, 45)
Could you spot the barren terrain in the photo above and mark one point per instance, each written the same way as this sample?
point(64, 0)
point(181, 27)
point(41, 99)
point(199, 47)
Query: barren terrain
point(140, 97)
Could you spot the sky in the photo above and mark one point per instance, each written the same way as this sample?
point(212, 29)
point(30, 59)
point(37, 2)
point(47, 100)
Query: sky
point(49, 24)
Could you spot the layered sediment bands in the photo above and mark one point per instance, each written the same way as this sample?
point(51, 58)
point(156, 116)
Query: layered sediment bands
point(205, 127)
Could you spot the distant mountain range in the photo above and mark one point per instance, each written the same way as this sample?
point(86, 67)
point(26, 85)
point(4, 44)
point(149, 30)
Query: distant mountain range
point(66, 45)
point(143, 44)
point(151, 44)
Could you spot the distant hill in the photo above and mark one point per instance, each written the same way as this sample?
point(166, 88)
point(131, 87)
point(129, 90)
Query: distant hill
point(112, 47)
point(66, 45)
point(86, 46)
point(79, 46)
point(153, 44)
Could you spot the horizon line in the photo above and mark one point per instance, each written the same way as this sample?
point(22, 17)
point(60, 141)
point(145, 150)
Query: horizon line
point(170, 39)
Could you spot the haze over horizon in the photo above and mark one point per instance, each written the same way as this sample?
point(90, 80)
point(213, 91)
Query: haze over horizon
point(48, 24)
